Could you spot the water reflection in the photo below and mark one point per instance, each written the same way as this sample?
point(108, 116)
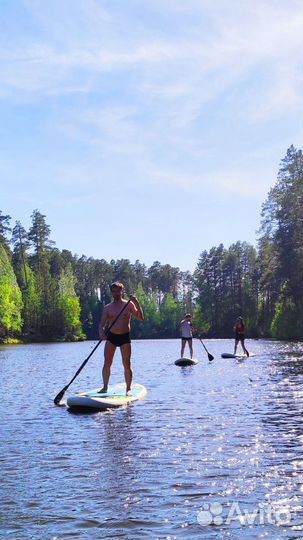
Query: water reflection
point(282, 420)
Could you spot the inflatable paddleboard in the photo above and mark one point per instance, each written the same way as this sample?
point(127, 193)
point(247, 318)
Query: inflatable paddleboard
point(186, 362)
point(115, 397)
point(229, 355)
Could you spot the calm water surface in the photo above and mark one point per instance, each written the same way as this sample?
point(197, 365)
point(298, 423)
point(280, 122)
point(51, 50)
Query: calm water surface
point(209, 446)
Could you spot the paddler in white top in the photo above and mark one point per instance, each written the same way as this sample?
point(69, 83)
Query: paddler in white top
point(187, 334)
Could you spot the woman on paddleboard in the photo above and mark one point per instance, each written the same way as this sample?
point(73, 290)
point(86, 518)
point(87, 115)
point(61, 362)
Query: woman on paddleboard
point(186, 334)
point(239, 330)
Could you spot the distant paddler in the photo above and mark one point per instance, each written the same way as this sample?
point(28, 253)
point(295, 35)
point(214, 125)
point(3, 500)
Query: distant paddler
point(187, 334)
point(239, 330)
point(119, 334)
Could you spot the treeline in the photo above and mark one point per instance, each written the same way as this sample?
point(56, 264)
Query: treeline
point(265, 285)
point(48, 294)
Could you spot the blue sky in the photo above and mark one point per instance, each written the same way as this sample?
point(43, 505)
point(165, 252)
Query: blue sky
point(146, 129)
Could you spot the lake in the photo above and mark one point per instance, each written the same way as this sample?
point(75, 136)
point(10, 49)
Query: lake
point(214, 451)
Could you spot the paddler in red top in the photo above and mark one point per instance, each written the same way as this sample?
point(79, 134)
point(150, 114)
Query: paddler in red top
point(239, 330)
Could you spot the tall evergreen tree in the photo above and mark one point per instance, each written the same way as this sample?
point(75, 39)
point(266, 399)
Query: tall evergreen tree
point(170, 315)
point(151, 327)
point(32, 307)
point(226, 282)
point(21, 245)
point(47, 287)
point(282, 226)
point(10, 298)
point(70, 305)
point(39, 234)
point(4, 230)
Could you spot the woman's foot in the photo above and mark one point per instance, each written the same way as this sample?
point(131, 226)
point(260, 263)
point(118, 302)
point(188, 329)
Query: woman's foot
point(102, 390)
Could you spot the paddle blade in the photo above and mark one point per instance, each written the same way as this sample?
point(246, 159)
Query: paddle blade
point(210, 357)
point(60, 396)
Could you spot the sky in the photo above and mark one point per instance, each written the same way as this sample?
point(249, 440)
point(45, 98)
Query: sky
point(147, 129)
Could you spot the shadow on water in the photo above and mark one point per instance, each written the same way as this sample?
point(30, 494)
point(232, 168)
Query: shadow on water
point(85, 411)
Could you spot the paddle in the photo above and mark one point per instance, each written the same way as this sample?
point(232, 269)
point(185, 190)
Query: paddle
point(210, 356)
point(62, 392)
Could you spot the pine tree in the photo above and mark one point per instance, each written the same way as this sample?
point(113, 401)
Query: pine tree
point(21, 245)
point(32, 307)
point(10, 299)
point(46, 286)
point(39, 234)
point(69, 305)
point(4, 230)
point(282, 226)
point(151, 326)
point(170, 316)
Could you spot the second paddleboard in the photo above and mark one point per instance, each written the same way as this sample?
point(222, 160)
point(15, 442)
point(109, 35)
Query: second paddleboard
point(182, 362)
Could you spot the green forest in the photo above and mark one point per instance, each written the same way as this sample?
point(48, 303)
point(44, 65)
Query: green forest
point(47, 294)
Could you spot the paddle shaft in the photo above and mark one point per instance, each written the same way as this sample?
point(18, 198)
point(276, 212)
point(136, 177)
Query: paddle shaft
point(203, 344)
point(61, 393)
point(210, 356)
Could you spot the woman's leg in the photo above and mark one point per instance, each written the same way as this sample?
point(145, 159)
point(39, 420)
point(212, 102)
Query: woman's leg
point(244, 348)
point(190, 344)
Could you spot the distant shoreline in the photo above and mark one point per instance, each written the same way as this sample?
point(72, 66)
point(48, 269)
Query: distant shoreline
point(14, 341)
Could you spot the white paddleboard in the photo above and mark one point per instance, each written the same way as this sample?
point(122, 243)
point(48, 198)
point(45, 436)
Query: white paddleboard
point(115, 397)
point(186, 362)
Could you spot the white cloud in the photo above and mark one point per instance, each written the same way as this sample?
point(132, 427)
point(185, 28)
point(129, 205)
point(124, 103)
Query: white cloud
point(236, 181)
point(71, 50)
point(241, 183)
point(167, 101)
